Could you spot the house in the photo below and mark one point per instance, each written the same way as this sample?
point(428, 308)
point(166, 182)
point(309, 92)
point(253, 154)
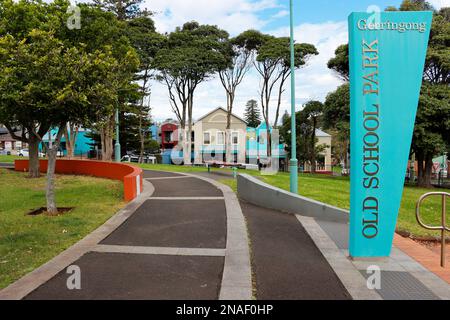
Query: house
point(324, 158)
point(210, 134)
point(83, 143)
point(154, 133)
point(256, 145)
point(169, 132)
point(8, 143)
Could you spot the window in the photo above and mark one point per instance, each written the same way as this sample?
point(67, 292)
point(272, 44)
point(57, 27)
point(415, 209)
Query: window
point(220, 138)
point(235, 138)
point(206, 138)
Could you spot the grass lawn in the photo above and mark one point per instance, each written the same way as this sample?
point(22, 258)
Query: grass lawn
point(28, 242)
point(336, 191)
point(9, 159)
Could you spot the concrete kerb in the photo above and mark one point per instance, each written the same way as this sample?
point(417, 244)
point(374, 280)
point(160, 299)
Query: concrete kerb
point(24, 286)
point(264, 195)
point(237, 275)
point(352, 280)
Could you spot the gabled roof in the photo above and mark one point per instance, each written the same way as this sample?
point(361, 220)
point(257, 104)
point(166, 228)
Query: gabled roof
point(217, 109)
point(320, 133)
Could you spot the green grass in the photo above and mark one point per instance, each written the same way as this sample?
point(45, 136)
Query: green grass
point(336, 191)
point(9, 159)
point(173, 168)
point(28, 242)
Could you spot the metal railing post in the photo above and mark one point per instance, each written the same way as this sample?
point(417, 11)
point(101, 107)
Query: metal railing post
point(443, 228)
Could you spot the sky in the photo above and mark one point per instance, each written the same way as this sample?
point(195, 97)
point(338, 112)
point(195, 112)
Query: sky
point(322, 23)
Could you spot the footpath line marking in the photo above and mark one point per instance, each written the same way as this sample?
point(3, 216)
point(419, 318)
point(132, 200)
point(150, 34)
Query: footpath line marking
point(237, 275)
point(33, 280)
point(166, 178)
point(186, 198)
point(200, 252)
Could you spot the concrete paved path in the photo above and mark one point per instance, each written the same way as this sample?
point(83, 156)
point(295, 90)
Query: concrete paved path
point(186, 239)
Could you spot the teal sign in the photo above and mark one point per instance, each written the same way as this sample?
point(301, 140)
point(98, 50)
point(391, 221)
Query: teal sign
point(387, 57)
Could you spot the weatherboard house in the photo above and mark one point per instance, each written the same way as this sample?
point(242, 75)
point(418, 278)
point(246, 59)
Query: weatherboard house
point(210, 137)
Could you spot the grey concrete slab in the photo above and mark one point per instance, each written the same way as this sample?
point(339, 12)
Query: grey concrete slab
point(189, 187)
point(337, 231)
point(159, 174)
point(286, 263)
point(199, 252)
point(108, 276)
point(237, 277)
point(353, 281)
point(187, 224)
point(402, 286)
point(7, 165)
point(262, 194)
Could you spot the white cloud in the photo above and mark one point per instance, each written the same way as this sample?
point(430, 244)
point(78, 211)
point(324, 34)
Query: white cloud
point(280, 14)
point(232, 15)
point(438, 4)
point(314, 81)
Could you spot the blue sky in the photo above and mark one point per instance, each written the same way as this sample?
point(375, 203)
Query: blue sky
point(317, 11)
point(319, 22)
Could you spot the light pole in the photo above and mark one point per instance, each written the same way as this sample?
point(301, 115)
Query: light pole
point(294, 162)
point(117, 150)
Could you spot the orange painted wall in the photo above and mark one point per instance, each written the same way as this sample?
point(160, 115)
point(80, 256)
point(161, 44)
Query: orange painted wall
point(129, 175)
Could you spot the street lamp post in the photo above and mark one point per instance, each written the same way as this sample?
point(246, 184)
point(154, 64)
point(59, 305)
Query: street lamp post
point(294, 162)
point(117, 150)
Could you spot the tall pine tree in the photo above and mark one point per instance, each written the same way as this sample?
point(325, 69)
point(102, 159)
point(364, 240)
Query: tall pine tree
point(252, 115)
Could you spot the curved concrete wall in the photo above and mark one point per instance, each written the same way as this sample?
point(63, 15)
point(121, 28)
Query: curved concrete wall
point(262, 194)
point(131, 176)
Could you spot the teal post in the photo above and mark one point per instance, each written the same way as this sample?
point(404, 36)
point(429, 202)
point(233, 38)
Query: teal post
point(117, 146)
point(294, 162)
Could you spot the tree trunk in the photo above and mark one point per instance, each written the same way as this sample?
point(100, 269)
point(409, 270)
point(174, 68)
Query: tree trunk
point(71, 134)
point(228, 142)
point(33, 147)
point(428, 171)
point(141, 139)
point(412, 169)
point(313, 148)
point(50, 192)
point(420, 170)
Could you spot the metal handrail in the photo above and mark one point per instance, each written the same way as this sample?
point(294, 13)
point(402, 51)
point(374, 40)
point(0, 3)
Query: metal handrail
point(443, 228)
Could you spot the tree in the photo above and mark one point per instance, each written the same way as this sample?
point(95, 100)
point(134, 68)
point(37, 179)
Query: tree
point(313, 112)
point(147, 42)
point(437, 66)
point(431, 133)
point(336, 116)
point(274, 66)
point(340, 63)
point(17, 20)
point(252, 115)
point(101, 29)
point(123, 9)
point(239, 52)
point(307, 147)
point(192, 54)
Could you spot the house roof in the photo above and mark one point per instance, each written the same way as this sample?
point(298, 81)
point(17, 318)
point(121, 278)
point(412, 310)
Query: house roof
point(320, 133)
point(217, 109)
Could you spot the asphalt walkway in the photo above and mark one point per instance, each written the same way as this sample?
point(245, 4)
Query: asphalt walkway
point(185, 239)
point(286, 263)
